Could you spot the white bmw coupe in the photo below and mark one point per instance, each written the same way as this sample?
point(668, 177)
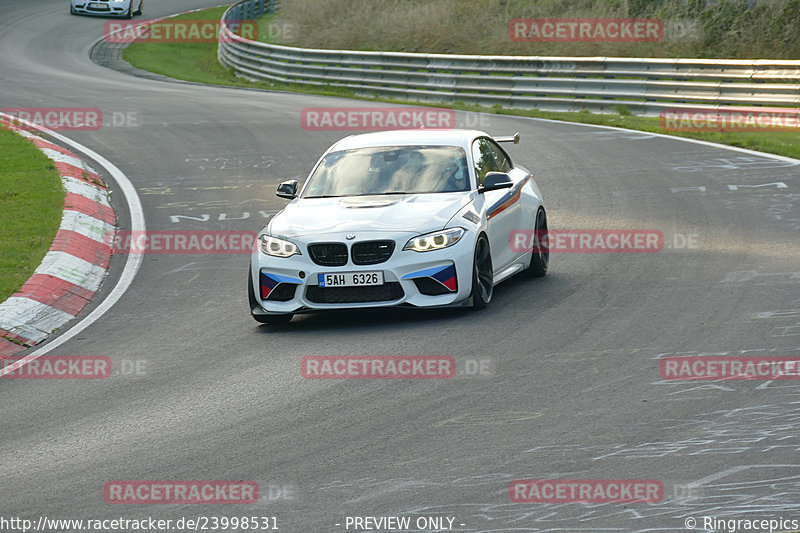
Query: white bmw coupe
point(413, 217)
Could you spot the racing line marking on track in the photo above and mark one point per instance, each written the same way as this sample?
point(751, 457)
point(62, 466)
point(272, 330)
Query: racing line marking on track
point(133, 262)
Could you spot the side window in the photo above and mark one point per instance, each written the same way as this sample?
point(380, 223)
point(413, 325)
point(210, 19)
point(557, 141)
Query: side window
point(503, 162)
point(483, 158)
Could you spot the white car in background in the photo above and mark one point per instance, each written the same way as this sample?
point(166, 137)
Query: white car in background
point(114, 8)
point(418, 218)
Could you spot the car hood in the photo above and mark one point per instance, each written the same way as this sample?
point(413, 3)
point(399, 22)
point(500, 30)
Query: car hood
point(411, 212)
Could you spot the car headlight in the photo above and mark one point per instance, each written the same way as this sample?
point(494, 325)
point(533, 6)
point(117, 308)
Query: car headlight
point(278, 247)
point(435, 241)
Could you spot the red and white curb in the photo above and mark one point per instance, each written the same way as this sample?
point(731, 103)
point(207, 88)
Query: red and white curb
point(73, 269)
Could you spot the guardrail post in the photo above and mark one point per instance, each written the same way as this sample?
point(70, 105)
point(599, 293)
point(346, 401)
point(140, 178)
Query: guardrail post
point(260, 7)
point(272, 6)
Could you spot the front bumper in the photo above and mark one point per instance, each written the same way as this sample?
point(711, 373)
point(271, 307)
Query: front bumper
point(439, 278)
point(108, 9)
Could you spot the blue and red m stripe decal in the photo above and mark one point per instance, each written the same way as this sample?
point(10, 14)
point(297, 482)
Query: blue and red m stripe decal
point(270, 281)
point(446, 275)
point(509, 199)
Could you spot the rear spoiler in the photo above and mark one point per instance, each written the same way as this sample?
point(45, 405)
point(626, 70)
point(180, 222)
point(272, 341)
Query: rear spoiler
point(512, 139)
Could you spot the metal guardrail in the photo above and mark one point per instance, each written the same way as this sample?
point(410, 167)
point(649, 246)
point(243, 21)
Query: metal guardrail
point(599, 84)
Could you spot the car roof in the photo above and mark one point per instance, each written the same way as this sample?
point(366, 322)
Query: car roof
point(438, 137)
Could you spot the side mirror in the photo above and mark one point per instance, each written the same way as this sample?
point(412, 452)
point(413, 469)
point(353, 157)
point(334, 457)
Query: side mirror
point(287, 189)
point(495, 180)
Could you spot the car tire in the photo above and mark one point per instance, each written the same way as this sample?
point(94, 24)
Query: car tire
point(129, 14)
point(264, 319)
point(482, 274)
point(139, 11)
point(540, 255)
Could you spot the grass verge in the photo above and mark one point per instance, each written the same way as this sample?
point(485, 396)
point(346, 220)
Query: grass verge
point(198, 63)
point(738, 29)
point(31, 202)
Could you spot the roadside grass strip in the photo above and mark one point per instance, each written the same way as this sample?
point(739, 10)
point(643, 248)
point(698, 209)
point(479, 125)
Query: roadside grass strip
point(31, 200)
point(56, 223)
point(197, 62)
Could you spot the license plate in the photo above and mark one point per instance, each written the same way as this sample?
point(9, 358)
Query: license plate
point(350, 279)
point(99, 6)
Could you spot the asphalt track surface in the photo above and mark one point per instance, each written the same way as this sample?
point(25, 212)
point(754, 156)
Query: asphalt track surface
point(574, 390)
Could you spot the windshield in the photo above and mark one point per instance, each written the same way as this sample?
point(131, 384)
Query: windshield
point(390, 170)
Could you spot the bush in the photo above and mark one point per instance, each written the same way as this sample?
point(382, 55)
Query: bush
point(693, 28)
